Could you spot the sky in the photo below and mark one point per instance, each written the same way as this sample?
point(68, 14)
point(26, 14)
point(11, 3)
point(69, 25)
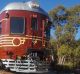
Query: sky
point(47, 5)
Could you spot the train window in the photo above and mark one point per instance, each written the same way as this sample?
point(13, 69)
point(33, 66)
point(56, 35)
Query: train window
point(47, 32)
point(0, 28)
point(17, 25)
point(34, 24)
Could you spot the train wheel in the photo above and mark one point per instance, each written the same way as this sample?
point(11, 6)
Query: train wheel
point(5, 68)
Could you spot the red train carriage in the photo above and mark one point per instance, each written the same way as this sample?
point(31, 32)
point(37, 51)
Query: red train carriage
point(24, 34)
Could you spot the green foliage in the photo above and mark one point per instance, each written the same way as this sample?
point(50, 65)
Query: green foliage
point(67, 47)
point(77, 52)
point(69, 64)
point(64, 50)
point(69, 28)
point(53, 13)
point(58, 31)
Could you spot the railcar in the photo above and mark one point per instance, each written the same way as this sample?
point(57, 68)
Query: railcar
point(24, 38)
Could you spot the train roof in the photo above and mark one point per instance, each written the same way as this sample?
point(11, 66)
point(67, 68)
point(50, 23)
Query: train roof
point(29, 6)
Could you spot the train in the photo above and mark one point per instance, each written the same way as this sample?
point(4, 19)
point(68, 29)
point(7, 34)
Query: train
point(24, 38)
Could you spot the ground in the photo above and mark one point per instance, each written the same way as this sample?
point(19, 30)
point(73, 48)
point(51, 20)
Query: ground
point(4, 72)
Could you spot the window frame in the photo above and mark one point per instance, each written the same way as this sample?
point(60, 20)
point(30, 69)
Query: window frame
point(36, 26)
point(23, 27)
point(46, 33)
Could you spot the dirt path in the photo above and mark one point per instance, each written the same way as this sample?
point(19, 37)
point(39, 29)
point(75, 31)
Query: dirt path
point(4, 72)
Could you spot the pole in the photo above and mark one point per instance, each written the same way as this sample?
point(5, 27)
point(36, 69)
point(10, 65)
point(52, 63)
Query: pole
point(43, 22)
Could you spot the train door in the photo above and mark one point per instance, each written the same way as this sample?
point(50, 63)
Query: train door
point(35, 30)
point(46, 26)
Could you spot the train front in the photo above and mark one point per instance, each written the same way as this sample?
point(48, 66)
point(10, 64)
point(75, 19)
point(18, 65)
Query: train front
point(24, 39)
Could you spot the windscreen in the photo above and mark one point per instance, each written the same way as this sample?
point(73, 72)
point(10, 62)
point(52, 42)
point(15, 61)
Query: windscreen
point(17, 25)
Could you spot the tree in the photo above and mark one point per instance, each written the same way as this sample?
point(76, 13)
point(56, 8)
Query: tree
point(66, 23)
point(77, 55)
point(64, 52)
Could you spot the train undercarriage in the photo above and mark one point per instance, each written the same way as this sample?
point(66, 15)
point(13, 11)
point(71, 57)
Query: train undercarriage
point(35, 62)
